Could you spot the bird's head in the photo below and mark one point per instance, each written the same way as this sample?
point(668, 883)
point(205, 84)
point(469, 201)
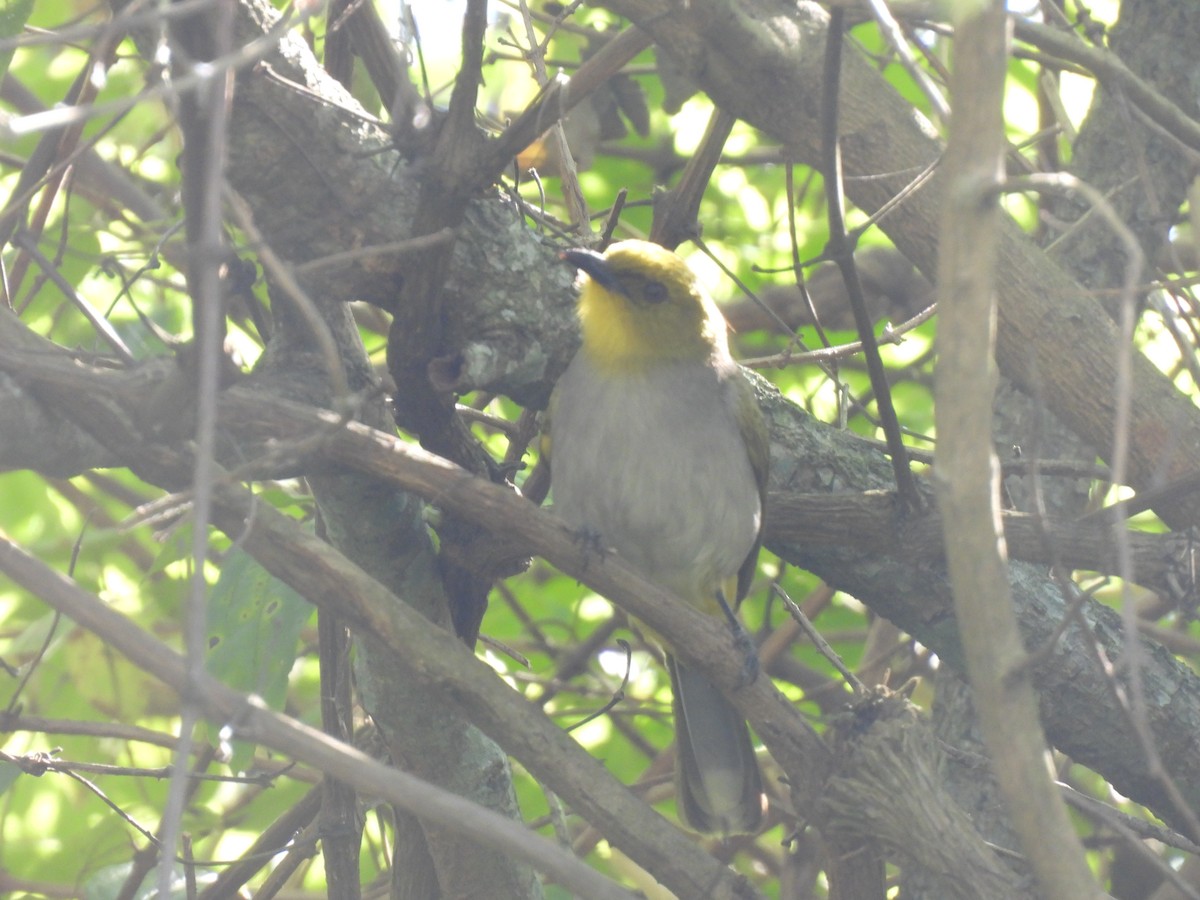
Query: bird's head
point(639, 304)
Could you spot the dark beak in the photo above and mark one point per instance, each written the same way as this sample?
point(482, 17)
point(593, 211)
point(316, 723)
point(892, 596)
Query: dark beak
point(593, 264)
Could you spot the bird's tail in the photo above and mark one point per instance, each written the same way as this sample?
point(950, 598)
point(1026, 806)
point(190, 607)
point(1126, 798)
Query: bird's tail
point(717, 783)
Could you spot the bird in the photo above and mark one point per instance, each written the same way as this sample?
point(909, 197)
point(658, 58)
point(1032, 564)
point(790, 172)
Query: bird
point(657, 448)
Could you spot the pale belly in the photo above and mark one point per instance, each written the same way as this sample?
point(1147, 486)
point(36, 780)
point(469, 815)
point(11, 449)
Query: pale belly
point(660, 473)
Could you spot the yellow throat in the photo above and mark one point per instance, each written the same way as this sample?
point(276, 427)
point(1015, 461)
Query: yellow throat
point(640, 304)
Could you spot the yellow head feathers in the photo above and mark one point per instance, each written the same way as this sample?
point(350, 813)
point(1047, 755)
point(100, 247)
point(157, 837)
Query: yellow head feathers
point(640, 303)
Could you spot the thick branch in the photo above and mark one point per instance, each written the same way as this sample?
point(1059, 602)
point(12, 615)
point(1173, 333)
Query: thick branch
point(439, 664)
point(762, 63)
point(1077, 698)
point(967, 474)
point(255, 723)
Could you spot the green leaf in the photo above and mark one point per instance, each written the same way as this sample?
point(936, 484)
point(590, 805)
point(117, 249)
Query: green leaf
point(8, 774)
point(108, 883)
point(254, 624)
point(13, 14)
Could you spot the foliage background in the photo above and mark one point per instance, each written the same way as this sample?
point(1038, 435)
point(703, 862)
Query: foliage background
point(107, 235)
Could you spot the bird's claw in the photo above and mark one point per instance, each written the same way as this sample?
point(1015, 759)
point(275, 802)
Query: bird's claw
point(591, 543)
point(749, 654)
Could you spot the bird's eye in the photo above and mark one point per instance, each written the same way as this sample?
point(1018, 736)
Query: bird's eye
point(654, 292)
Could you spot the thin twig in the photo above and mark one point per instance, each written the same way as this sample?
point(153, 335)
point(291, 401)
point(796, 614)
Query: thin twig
point(819, 642)
point(842, 252)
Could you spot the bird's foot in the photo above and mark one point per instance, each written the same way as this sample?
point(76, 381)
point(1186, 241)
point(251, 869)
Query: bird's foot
point(743, 641)
point(749, 654)
point(591, 543)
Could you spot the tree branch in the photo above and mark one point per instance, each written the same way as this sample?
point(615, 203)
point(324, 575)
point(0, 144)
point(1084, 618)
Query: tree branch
point(1077, 699)
point(1053, 340)
point(253, 722)
point(967, 473)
